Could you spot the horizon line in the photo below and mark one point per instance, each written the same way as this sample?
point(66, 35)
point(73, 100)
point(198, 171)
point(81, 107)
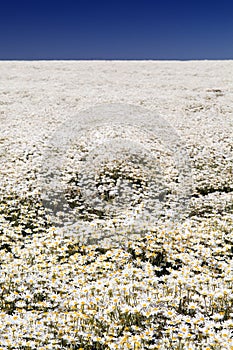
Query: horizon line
point(116, 59)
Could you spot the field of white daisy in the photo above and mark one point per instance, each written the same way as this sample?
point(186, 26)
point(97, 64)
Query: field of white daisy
point(116, 205)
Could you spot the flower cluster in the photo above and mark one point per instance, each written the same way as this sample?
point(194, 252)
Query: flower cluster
point(114, 280)
point(169, 288)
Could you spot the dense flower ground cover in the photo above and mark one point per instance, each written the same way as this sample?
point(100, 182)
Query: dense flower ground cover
point(168, 289)
point(167, 286)
point(103, 282)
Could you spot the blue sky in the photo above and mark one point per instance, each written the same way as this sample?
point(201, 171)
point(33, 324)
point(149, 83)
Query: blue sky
point(105, 29)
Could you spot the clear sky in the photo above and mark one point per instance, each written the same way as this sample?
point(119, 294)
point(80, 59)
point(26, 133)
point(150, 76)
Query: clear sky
point(109, 29)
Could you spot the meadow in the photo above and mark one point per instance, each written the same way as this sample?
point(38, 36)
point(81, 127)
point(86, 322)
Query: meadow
point(116, 234)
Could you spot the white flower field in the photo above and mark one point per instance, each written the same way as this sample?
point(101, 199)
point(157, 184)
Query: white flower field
point(116, 205)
